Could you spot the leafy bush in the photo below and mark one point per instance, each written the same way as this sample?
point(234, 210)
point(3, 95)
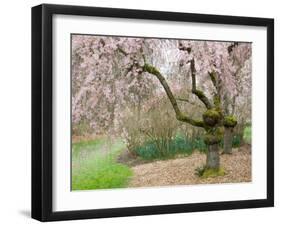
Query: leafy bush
point(247, 136)
point(239, 139)
point(177, 145)
point(236, 141)
point(199, 144)
point(153, 127)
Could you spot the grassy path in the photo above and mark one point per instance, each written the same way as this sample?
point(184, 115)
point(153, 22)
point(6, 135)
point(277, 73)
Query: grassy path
point(94, 165)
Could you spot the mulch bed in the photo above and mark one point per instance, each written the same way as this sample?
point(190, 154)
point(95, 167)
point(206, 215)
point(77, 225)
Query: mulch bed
point(181, 171)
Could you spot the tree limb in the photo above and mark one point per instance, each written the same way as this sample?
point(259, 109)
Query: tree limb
point(179, 115)
point(214, 80)
point(216, 84)
point(195, 91)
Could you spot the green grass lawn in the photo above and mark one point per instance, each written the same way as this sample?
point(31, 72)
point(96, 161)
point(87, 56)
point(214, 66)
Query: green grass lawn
point(94, 165)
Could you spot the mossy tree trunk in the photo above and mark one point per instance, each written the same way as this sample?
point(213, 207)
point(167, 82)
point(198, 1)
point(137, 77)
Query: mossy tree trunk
point(213, 157)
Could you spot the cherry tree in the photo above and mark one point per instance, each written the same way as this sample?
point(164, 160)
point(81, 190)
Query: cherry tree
point(106, 79)
point(238, 62)
point(111, 76)
point(212, 60)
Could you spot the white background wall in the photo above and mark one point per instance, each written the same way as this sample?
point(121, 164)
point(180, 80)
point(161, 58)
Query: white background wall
point(15, 114)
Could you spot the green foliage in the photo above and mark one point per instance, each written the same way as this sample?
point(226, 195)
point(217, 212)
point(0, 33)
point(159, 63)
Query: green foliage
point(199, 144)
point(236, 141)
point(178, 145)
point(247, 136)
point(239, 138)
point(94, 167)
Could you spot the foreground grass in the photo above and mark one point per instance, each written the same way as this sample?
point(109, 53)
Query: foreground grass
point(94, 165)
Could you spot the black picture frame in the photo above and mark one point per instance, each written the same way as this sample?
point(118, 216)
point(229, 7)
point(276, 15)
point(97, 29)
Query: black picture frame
point(42, 107)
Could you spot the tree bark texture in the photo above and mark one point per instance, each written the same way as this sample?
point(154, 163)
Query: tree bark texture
point(213, 157)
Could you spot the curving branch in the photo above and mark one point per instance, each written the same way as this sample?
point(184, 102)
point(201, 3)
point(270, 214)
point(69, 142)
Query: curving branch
point(216, 84)
point(179, 115)
point(200, 94)
point(214, 80)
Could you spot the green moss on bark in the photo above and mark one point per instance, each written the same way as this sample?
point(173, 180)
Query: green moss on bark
point(230, 121)
point(217, 100)
point(150, 69)
point(211, 117)
point(213, 136)
point(210, 139)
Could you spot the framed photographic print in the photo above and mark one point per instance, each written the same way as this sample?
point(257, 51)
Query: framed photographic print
point(145, 112)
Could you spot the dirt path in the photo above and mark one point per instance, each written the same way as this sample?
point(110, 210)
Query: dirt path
point(181, 171)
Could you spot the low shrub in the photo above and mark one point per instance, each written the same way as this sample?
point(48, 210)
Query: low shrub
point(236, 141)
point(178, 145)
point(247, 135)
